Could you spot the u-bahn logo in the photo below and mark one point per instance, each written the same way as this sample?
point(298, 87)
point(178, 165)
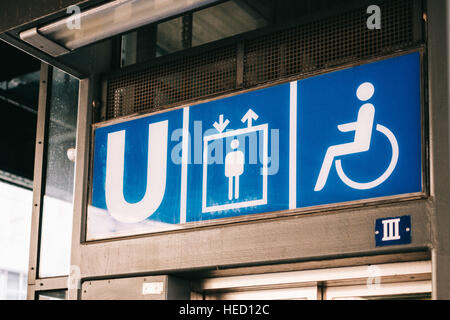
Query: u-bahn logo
point(119, 208)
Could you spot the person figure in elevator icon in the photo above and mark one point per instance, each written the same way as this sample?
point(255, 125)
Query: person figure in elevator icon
point(234, 167)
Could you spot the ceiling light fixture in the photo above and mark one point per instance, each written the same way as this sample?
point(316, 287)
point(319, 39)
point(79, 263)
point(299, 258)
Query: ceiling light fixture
point(104, 21)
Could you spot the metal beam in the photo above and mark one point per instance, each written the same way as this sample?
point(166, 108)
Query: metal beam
point(80, 64)
point(5, 96)
point(15, 13)
point(329, 235)
point(38, 174)
point(85, 100)
point(439, 102)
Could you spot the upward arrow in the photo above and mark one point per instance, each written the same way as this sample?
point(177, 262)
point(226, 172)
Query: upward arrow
point(249, 117)
point(221, 125)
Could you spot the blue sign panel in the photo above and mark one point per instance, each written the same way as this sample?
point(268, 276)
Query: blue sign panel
point(241, 171)
point(348, 135)
point(359, 133)
point(393, 231)
point(131, 173)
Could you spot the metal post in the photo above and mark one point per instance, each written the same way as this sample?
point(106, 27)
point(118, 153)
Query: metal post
point(438, 65)
point(85, 100)
point(38, 179)
point(187, 31)
point(240, 52)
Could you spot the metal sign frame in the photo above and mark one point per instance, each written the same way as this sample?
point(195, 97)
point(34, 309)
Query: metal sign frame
point(292, 212)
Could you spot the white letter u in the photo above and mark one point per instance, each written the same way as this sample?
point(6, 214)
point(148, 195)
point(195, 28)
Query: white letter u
point(118, 207)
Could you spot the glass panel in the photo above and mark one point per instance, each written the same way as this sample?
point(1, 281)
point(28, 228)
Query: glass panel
point(15, 226)
point(23, 89)
point(421, 296)
point(18, 104)
point(169, 37)
point(57, 214)
point(302, 293)
point(129, 46)
point(226, 20)
point(52, 295)
point(168, 40)
point(414, 290)
point(138, 46)
point(211, 24)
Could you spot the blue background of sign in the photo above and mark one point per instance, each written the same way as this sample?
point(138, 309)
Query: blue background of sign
point(326, 101)
point(272, 106)
point(135, 172)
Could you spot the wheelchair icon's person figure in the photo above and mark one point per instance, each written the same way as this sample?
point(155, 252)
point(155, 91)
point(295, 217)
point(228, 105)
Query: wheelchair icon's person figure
point(234, 167)
point(363, 132)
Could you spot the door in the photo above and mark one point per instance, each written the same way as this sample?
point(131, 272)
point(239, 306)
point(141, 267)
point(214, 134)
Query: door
point(406, 280)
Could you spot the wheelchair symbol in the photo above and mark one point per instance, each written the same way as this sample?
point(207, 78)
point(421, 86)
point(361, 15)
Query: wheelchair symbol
point(363, 132)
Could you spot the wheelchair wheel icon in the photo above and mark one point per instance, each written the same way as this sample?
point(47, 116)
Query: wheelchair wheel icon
point(384, 176)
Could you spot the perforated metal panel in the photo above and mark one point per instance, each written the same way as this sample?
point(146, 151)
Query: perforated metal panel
point(329, 42)
point(306, 48)
point(162, 85)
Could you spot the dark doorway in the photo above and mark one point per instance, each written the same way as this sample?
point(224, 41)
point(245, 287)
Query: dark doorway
point(19, 93)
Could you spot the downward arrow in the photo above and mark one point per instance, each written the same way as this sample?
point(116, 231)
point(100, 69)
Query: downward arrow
point(221, 125)
point(250, 116)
